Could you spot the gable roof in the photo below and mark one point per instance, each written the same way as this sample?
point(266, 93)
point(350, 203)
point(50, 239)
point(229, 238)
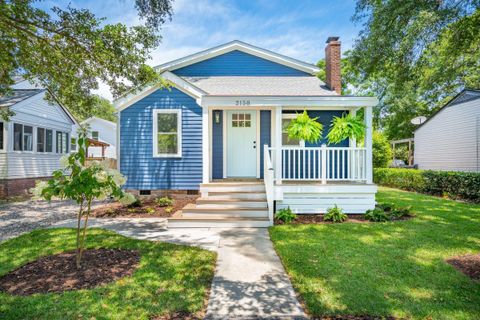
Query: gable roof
point(18, 95)
point(261, 86)
point(240, 46)
point(109, 123)
point(466, 95)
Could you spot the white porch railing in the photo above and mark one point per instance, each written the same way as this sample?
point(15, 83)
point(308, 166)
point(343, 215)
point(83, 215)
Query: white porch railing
point(268, 178)
point(320, 163)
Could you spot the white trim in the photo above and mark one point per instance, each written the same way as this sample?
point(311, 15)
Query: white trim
point(224, 138)
point(240, 46)
point(117, 149)
point(183, 85)
point(278, 144)
point(89, 120)
point(257, 144)
point(135, 96)
point(155, 113)
point(289, 101)
point(205, 147)
point(368, 144)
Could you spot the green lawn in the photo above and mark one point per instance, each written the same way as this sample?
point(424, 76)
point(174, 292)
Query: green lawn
point(383, 269)
point(170, 278)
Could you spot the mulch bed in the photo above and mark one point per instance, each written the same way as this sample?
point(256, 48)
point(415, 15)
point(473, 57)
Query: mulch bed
point(58, 273)
point(318, 219)
point(117, 210)
point(469, 264)
point(178, 316)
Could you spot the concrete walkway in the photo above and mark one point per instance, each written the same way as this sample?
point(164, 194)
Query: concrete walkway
point(250, 281)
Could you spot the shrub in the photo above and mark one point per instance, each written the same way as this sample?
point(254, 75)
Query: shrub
point(168, 209)
point(164, 202)
point(335, 214)
point(401, 212)
point(150, 210)
point(381, 149)
point(377, 215)
point(135, 204)
point(285, 215)
point(456, 185)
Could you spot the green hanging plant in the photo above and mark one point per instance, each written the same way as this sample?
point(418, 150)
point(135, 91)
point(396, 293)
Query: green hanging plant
point(346, 127)
point(305, 128)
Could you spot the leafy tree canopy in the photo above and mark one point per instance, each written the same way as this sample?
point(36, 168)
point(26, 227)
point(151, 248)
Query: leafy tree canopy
point(102, 108)
point(68, 51)
point(415, 55)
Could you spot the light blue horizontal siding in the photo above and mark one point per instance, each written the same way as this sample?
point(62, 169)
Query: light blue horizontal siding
point(143, 171)
point(237, 63)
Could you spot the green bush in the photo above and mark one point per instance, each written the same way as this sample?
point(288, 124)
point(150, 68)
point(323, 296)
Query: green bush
point(164, 202)
point(335, 214)
point(135, 204)
point(456, 185)
point(377, 215)
point(285, 215)
point(381, 149)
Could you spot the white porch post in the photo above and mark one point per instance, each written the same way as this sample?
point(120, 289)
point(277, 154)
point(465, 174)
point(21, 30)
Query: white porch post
point(368, 144)
point(205, 146)
point(278, 144)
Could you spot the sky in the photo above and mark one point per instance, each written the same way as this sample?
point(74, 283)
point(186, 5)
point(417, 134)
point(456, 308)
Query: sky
point(297, 29)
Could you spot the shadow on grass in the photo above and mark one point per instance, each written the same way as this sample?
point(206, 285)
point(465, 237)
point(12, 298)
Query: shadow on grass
point(170, 278)
point(394, 268)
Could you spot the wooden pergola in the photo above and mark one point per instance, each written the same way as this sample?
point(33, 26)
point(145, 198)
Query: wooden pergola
point(402, 141)
point(98, 144)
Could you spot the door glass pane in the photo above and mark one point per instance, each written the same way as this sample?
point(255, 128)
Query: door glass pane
point(17, 137)
point(27, 138)
point(40, 140)
point(49, 141)
point(167, 122)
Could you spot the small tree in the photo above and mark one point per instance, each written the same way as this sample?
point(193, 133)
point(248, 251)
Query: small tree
point(83, 184)
point(305, 128)
point(345, 127)
point(381, 149)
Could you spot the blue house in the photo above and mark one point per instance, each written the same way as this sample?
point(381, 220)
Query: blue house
point(220, 130)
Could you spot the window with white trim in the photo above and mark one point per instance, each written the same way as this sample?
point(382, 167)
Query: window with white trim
point(22, 137)
point(167, 135)
point(49, 140)
point(40, 140)
point(62, 142)
point(286, 140)
point(95, 135)
point(73, 144)
point(2, 142)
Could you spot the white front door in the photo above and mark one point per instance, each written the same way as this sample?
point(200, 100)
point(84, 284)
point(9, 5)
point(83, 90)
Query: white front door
point(241, 143)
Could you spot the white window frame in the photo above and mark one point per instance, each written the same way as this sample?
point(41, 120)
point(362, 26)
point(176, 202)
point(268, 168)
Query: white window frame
point(34, 137)
point(98, 135)
point(301, 143)
point(155, 133)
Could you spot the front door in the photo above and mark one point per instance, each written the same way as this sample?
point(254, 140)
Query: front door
point(241, 144)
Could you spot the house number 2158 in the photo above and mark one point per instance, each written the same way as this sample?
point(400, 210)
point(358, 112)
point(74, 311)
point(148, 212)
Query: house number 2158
point(242, 102)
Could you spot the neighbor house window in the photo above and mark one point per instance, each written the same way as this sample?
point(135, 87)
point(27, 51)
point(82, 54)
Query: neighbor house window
point(95, 135)
point(286, 140)
point(22, 137)
point(73, 144)
point(167, 136)
point(62, 142)
point(1, 136)
point(40, 140)
point(49, 140)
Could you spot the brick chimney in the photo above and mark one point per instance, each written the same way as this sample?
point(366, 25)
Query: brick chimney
point(332, 64)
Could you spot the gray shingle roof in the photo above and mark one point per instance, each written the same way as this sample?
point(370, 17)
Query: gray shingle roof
point(17, 95)
point(261, 86)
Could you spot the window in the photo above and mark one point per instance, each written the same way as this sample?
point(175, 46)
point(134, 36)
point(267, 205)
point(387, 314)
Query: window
point(49, 140)
point(40, 140)
point(1, 136)
point(95, 135)
point(167, 137)
point(286, 140)
point(62, 142)
point(242, 120)
point(22, 137)
point(73, 144)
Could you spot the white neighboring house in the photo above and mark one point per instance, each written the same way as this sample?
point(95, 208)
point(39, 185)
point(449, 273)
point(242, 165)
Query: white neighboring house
point(104, 131)
point(33, 140)
point(450, 139)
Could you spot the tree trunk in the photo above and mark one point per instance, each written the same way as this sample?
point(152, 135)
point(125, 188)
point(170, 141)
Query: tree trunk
point(82, 244)
point(77, 256)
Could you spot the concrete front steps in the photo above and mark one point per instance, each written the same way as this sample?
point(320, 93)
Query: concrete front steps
point(225, 205)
